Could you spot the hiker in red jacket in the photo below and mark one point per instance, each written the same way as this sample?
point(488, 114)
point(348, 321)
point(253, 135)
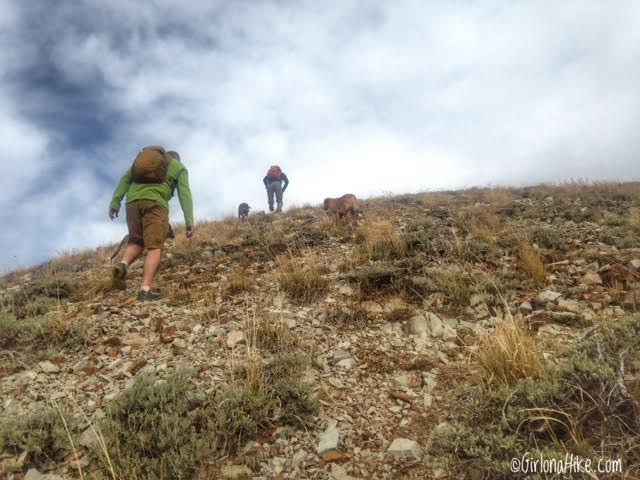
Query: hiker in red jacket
point(273, 183)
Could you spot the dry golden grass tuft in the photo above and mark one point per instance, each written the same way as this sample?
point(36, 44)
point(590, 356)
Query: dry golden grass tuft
point(240, 281)
point(633, 220)
point(436, 199)
point(456, 283)
point(531, 263)
point(270, 335)
point(350, 316)
point(508, 354)
point(303, 281)
point(328, 224)
point(499, 196)
point(379, 240)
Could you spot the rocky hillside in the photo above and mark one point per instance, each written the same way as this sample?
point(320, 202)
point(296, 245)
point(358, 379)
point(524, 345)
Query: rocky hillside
point(439, 336)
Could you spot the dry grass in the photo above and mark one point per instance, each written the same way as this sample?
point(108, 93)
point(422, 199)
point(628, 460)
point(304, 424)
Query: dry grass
point(273, 336)
point(379, 240)
point(351, 316)
point(508, 354)
point(455, 282)
point(531, 263)
point(633, 220)
point(240, 281)
point(499, 196)
point(433, 200)
point(303, 281)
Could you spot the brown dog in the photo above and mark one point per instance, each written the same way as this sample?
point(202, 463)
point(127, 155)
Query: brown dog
point(243, 210)
point(341, 207)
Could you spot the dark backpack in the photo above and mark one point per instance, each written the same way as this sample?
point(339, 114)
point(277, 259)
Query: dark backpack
point(150, 165)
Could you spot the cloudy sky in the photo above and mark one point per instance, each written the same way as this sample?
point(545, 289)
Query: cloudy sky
point(353, 96)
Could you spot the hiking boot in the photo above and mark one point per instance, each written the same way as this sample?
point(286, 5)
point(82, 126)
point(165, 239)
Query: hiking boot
point(271, 208)
point(279, 209)
point(119, 272)
point(150, 295)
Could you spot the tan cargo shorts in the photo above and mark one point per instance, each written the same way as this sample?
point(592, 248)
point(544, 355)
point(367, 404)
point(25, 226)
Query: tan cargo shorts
point(148, 223)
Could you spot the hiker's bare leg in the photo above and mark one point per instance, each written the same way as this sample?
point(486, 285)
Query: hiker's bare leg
point(151, 264)
point(131, 253)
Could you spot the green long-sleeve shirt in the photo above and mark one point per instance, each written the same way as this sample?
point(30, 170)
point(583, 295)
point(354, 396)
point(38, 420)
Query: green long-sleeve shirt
point(177, 176)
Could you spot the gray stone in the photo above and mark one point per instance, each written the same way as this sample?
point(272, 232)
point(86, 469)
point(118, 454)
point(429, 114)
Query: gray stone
point(81, 463)
point(591, 278)
point(48, 367)
point(235, 338)
point(547, 296)
point(404, 379)
point(298, 458)
point(435, 325)
point(80, 366)
point(448, 333)
point(564, 317)
point(339, 473)
point(429, 382)
point(635, 264)
point(33, 474)
point(569, 305)
point(236, 472)
point(329, 440)
point(476, 300)
point(372, 307)
point(418, 325)
point(592, 267)
point(525, 307)
point(179, 343)
point(481, 312)
point(88, 438)
point(339, 355)
point(347, 363)
point(403, 448)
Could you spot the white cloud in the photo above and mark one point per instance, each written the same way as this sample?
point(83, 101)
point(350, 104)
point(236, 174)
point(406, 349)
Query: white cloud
point(347, 96)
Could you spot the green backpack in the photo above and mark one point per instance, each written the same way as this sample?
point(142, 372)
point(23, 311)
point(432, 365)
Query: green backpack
point(150, 166)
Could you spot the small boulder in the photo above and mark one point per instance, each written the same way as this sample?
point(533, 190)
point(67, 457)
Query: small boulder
point(404, 448)
point(548, 296)
point(525, 307)
point(49, 367)
point(591, 278)
point(347, 363)
point(33, 474)
point(236, 472)
point(89, 438)
point(235, 338)
point(329, 440)
point(635, 264)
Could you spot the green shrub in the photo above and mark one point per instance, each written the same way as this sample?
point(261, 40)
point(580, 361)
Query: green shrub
point(262, 394)
point(41, 434)
point(37, 332)
point(150, 429)
point(293, 397)
point(578, 406)
point(238, 414)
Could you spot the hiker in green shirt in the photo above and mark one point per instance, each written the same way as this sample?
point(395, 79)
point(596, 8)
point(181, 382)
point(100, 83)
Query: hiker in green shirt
point(149, 184)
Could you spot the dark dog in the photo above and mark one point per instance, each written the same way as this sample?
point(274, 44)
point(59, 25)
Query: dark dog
point(341, 207)
point(243, 211)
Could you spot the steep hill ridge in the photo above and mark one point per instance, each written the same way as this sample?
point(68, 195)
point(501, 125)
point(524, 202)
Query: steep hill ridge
point(349, 347)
